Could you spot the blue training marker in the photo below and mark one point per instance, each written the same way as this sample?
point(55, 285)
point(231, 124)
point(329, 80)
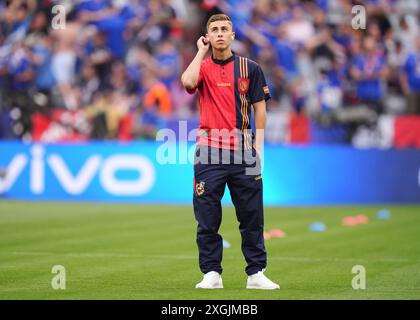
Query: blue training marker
point(226, 244)
point(383, 214)
point(318, 227)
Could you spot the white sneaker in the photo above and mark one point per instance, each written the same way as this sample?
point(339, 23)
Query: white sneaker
point(260, 281)
point(211, 280)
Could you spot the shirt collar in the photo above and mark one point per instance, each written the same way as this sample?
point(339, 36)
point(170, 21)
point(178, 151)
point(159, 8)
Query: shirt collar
point(222, 62)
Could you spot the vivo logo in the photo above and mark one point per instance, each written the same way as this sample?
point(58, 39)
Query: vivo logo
point(76, 184)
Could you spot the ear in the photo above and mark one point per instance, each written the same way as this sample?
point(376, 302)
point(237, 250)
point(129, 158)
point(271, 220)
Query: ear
point(206, 39)
point(233, 35)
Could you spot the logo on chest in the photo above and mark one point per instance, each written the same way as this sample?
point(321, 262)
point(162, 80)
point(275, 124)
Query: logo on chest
point(223, 84)
point(243, 85)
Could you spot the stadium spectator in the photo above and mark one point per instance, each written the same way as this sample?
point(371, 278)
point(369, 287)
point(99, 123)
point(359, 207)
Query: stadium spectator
point(87, 85)
point(63, 63)
point(100, 56)
point(106, 112)
point(410, 79)
point(157, 98)
point(299, 29)
point(119, 81)
point(369, 70)
point(330, 92)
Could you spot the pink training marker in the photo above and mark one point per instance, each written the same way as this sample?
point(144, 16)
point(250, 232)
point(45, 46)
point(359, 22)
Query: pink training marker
point(349, 221)
point(277, 233)
point(361, 219)
point(267, 235)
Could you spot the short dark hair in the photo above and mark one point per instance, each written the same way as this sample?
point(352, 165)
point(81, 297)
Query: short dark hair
point(218, 17)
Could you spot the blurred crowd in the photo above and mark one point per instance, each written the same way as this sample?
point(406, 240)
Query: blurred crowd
point(109, 69)
point(97, 69)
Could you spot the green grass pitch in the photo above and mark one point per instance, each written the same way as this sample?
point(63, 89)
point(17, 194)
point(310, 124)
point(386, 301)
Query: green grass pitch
point(112, 251)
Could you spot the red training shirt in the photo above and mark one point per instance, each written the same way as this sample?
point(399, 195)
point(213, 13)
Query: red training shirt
point(227, 89)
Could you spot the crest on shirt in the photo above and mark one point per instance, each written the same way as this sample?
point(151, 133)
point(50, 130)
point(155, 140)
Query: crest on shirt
point(243, 85)
point(199, 188)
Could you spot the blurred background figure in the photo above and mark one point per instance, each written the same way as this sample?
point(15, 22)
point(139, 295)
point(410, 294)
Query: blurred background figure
point(369, 71)
point(410, 79)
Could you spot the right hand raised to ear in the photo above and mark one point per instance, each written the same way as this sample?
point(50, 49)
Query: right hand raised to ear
point(203, 44)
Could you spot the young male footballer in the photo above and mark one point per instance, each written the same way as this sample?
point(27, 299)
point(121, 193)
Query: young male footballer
point(228, 152)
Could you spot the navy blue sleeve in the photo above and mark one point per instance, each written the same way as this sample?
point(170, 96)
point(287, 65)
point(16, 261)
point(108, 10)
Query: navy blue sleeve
point(258, 86)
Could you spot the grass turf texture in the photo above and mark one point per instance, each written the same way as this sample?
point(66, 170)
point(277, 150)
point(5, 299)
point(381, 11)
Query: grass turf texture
point(149, 252)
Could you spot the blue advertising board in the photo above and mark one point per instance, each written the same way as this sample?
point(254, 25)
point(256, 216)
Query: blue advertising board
point(150, 172)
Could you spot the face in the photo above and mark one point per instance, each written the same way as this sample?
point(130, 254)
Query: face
point(369, 44)
point(220, 35)
point(39, 21)
point(88, 72)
